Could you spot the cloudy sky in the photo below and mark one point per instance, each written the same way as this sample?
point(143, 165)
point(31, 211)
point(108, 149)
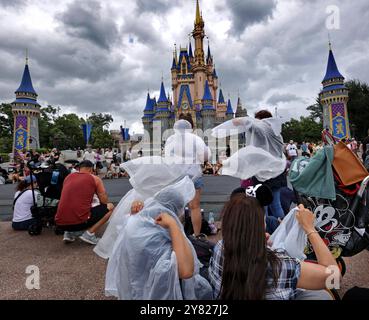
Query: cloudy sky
point(102, 56)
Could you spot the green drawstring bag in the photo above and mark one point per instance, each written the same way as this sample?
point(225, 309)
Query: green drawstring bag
point(313, 177)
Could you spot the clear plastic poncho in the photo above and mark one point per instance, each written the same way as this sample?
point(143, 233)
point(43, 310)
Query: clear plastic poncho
point(263, 155)
point(148, 175)
point(187, 148)
point(143, 265)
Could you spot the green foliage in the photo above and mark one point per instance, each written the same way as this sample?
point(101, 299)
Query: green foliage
point(63, 132)
point(100, 136)
point(316, 111)
point(305, 129)
point(358, 108)
point(5, 157)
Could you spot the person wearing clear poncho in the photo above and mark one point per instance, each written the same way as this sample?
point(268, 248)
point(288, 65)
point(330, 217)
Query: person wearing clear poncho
point(262, 159)
point(152, 258)
point(192, 152)
point(148, 175)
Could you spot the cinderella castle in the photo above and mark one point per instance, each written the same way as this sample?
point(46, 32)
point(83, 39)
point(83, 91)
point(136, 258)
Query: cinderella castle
point(195, 87)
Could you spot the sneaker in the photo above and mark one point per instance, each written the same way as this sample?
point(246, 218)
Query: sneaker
point(89, 238)
point(70, 237)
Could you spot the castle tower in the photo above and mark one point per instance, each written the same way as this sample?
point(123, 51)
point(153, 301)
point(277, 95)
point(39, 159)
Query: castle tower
point(229, 112)
point(222, 107)
point(149, 114)
point(240, 111)
point(26, 112)
point(199, 67)
point(334, 98)
point(162, 112)
point(208, 110)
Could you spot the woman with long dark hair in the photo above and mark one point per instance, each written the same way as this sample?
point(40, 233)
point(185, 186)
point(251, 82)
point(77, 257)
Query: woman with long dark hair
point(243, 267)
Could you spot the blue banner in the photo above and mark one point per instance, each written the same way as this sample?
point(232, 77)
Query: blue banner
point(125, 133)
point(339, 127)
point(20, 139)
point(87, 128)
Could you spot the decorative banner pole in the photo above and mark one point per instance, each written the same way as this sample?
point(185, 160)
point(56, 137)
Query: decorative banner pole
point(86, 128)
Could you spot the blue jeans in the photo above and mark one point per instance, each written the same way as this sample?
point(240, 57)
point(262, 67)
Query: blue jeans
point(272, 224)
point(275, 208)
point(22, 226)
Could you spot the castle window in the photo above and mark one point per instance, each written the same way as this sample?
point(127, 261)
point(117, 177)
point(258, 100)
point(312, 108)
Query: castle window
point(183, 68)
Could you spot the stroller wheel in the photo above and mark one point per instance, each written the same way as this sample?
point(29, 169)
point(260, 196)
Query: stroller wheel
point(35, 229)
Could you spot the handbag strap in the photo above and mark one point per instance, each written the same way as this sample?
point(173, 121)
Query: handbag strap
point(328, 138)
point(18, 196)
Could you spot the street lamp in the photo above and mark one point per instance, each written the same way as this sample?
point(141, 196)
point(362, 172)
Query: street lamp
point(31, 138)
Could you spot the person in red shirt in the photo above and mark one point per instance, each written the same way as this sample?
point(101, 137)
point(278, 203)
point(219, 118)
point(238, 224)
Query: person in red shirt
point(76, 215)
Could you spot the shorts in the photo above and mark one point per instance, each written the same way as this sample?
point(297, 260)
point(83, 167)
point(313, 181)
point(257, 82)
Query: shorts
point(97, 213)
point(199, 183)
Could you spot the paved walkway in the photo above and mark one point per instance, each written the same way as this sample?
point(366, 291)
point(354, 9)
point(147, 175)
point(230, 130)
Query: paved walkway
point(216, 191)
point(75, 272)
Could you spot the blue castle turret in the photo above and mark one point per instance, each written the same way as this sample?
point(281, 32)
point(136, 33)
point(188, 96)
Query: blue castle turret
point(208, 109)
point(229, 112)
point(26, 111)
point(334, 98)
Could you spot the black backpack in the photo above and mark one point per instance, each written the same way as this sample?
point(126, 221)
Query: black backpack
point(188, 227)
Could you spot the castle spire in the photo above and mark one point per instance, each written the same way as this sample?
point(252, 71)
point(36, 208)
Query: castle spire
point(26, 83)
point(163, 96)
point(332, 69)
point(190, 53)
point(198, 19)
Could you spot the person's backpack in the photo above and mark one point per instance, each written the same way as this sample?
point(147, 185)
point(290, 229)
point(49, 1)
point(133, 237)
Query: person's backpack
point(188, 227)
point(204, 249)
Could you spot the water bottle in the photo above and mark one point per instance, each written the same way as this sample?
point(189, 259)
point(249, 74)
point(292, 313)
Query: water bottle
point(202, 213)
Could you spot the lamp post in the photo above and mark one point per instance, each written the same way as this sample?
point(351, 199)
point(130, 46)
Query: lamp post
point(31, 138)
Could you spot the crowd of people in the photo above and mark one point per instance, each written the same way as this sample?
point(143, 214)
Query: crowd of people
point(149, 254)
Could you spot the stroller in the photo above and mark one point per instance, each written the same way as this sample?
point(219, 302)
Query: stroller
point(50, 180)
point(343, 223)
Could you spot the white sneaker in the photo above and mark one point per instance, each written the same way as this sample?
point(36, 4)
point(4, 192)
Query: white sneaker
point(89, 238)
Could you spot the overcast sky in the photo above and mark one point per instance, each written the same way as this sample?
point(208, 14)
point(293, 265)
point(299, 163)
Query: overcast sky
point(102, 56)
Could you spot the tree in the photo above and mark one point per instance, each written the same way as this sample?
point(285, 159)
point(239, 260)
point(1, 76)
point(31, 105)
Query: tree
point(66, 132)
point(316, 110)
point(305, 129)
point(6, 128)
point(100, 135)
point(358, 108)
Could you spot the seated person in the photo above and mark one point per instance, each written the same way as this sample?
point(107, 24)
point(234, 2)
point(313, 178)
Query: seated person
point(243, 267)
point(23, 201)
point(152, 257)
point(208, 168)
point(217, 168)
point(75, 212)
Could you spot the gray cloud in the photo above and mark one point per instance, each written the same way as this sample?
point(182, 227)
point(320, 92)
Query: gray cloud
point(155, 6)
point(246, 13)
point(282, 98)
point(85, 62)
point(87, 20)
point(12, 3)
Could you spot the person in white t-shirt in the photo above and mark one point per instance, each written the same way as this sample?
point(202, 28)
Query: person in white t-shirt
point(23, 201)
point(90, 155)
point(291, 151)
point(109, 156)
